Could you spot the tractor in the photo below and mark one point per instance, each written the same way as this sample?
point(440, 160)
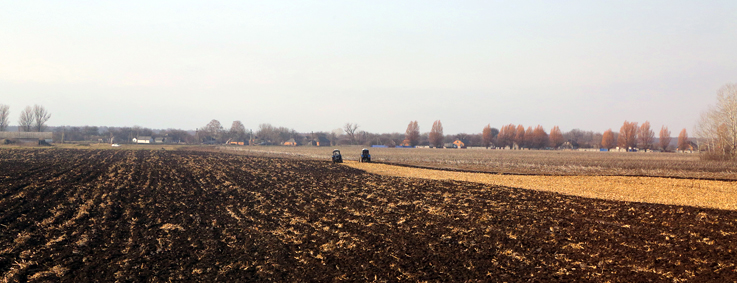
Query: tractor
point(365, 156)
point(337, 158)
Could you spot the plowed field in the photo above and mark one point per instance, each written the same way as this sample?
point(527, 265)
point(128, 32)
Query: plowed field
point(156, 216)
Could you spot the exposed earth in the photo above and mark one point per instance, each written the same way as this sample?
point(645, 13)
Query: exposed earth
point(156, 216)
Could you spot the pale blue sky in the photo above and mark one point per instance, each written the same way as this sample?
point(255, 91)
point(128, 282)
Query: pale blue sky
point(315, 65)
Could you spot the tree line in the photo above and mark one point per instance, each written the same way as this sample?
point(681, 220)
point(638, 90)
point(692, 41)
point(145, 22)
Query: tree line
point(266, 134)
point(512, 136)
point(118, 134)
point(509, 136)
point(643, 137)
point(32, 119)
point(518, 137)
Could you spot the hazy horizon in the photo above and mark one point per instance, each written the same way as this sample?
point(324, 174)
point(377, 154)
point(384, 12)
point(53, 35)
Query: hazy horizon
point(316, 66)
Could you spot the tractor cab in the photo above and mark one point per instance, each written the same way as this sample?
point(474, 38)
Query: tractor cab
point(365, 156)
point(337, 158)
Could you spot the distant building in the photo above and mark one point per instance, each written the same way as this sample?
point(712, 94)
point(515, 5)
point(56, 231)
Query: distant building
point(143, 139)
point(455, 144)
point(29, 138)
point(406, 143)
point(567, 145)
point(290, 142)
point(690, 147)
point(319, 141)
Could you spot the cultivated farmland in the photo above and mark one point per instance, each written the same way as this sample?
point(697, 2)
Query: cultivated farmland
point(536, 162)
point(117, 215)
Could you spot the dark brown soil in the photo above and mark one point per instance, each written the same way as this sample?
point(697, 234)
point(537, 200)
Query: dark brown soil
point(157, 216)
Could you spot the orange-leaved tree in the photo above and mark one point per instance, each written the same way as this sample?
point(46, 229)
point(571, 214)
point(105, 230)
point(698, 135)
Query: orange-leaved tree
point(607, 139)
point(645, 136)
point(683, 140)
point(412, 135)
point(487, 136)
point(627, 135)
point(556, 137)
point(436, 134)
point(505, 136)
point(528, 138)
point(539, 137)
point(664, 138)
point(519, 136)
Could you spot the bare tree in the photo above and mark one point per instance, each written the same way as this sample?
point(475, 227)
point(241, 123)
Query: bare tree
point(267, 134)
point(237, 131)
point(364, 138)
point(607, 139)
point(412, 135)
point(645, 136)
point(683, 140)
point(487, 136)
point(333, 138)
point(556, 137)
point(628, 135)
point(664, 138)
point(25, 122)
point(40, 116)
point(350, 130)
point(594, 139)
point(584, 139)
point(136, 130)
point(718, 125)
point(179, 136)
point(213, 131)
point(436, 134)
point(4, 113)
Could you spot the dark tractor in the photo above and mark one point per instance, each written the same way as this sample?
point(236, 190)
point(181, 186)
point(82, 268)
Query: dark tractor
point(365, 156)
point(337, 158)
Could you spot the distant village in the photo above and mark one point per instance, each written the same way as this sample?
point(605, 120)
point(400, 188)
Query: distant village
point(350, 134)
point(632, 137)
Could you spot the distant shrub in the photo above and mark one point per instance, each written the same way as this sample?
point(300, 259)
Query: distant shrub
point(714, 156)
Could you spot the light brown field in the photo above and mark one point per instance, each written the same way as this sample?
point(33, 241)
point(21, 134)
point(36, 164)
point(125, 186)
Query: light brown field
point(702, 193)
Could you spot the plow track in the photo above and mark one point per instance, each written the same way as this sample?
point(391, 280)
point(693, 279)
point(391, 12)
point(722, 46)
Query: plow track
point(157, 216)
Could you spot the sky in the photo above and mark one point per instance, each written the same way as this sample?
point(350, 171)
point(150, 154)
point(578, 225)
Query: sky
point(316, 65)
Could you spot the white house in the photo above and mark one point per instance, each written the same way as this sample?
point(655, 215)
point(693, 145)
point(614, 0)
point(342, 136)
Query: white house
point(143, 139)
